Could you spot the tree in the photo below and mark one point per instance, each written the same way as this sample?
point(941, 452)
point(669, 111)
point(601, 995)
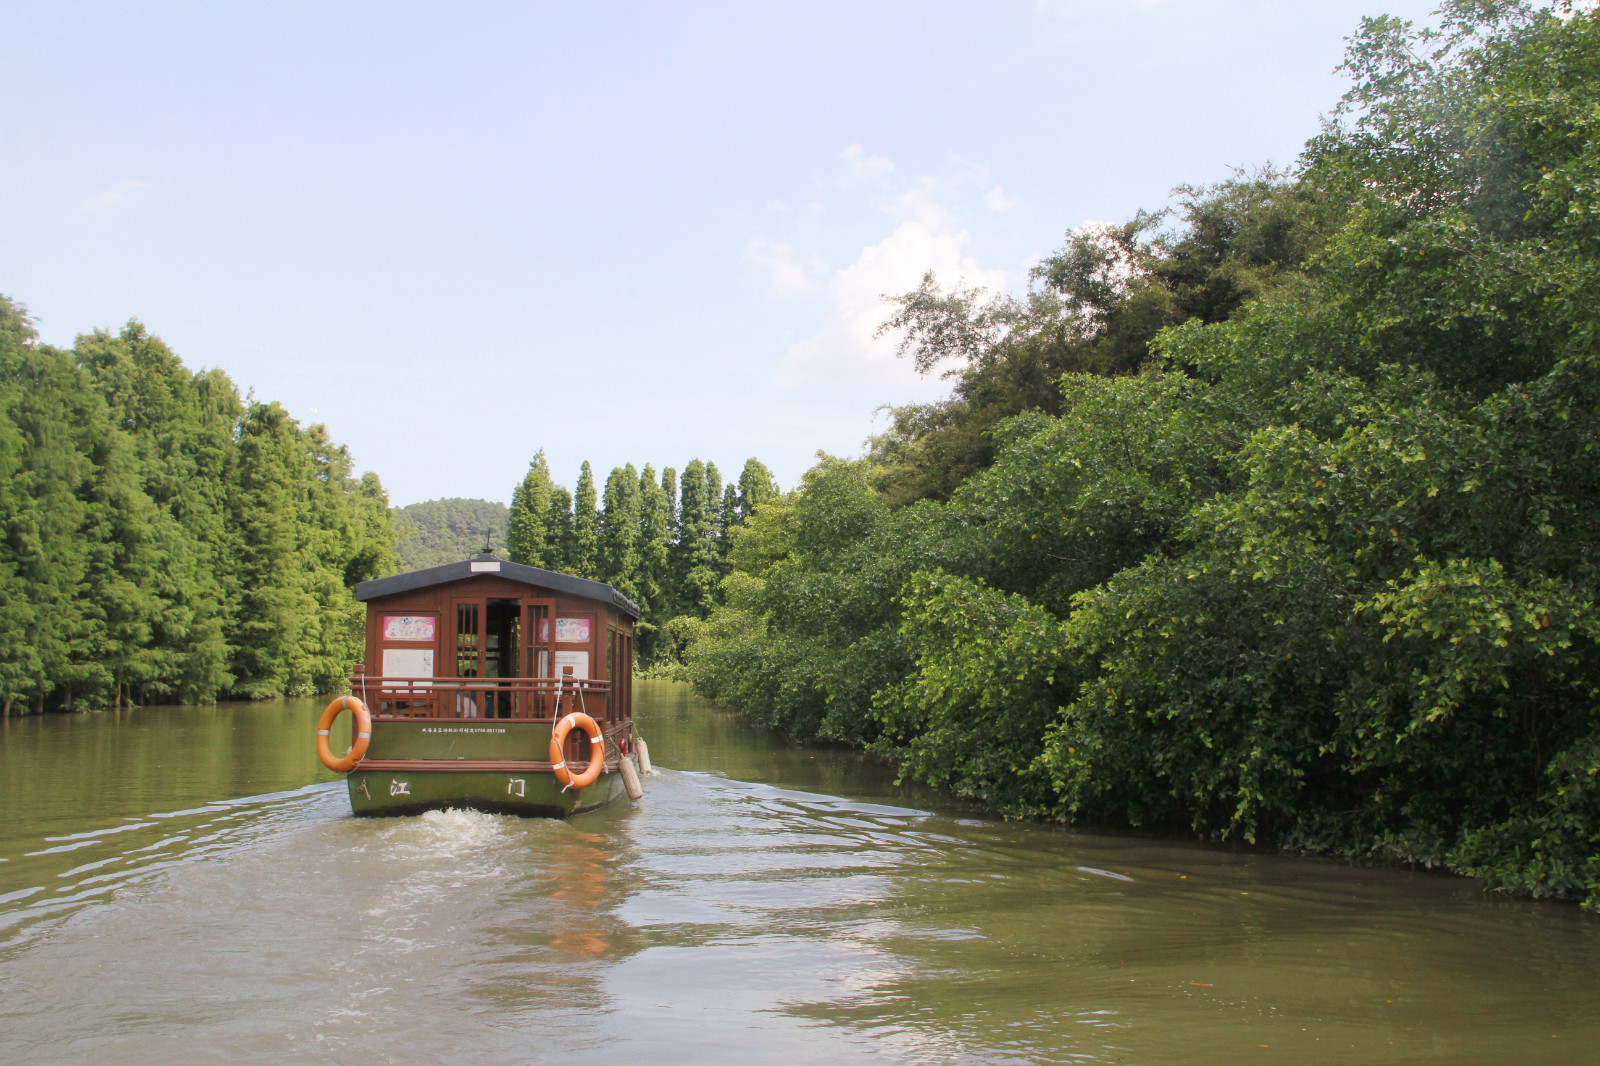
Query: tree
point(727, 519)
point(1094, 307)
point(696, 553)
point(756, 487)
point(655, 542)
point(585, 559)
point(1301, 550)
point(448, 530)
point(619, 533)
point(562, 533)
point(161, 540)
point(528, 536)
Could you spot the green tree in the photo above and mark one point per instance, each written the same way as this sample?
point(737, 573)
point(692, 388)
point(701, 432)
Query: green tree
point(619, 532)
point(655, 542)
point(178, 426)
point(1300, 550)
point(1094, 308)
point(47, 414)
point(448, 530)
point(756, 487)
point(561, 527)
point(163, 541)
point(585, 559)
point(528, 538)
point(727, 518)
point(696, 555)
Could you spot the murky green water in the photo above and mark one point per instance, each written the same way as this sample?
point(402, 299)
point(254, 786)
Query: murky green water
point(187, 885)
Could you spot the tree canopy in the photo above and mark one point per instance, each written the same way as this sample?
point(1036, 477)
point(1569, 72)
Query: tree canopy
point(162, 538)
point(449, 530)
point(1271, 516)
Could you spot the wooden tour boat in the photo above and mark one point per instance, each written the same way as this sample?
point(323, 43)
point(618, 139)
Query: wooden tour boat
point(500, 687)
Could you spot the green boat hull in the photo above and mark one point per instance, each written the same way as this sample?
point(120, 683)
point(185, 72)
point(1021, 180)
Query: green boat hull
point(533, 793)
point(429, 769)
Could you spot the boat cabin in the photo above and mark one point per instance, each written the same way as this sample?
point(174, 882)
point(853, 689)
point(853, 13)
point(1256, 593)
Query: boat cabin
point(489, 638)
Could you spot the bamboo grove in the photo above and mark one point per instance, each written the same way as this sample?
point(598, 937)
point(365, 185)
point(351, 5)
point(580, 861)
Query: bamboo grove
point(1271, 517)
point(162, 539)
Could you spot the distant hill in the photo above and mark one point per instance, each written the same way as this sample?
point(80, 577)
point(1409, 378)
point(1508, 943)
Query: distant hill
point(447, 531)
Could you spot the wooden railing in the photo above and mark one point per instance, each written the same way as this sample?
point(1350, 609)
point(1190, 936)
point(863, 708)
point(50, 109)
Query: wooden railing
point(527, 698)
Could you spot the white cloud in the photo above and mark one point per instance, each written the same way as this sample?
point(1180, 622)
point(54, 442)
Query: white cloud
point(113, 195)
point(845, 352)
point(997, 200)
point(860, 167)
point(788, 275)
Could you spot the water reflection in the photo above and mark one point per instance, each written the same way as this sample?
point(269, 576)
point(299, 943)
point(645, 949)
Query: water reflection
point(767, 901)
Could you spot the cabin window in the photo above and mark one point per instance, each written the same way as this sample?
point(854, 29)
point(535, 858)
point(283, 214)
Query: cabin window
point(613, 706)
point(625, 677)
point(539, 627)
point(468, 653)
point(406, 646)
point(466, 640)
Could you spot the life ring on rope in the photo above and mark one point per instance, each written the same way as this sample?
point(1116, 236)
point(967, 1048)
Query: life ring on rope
point(597, 750)
point(358, 750)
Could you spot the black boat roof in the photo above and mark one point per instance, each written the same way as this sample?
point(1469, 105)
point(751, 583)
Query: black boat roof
point(487, 564)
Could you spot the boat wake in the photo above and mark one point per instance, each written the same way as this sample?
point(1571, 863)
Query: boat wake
point(53, 877)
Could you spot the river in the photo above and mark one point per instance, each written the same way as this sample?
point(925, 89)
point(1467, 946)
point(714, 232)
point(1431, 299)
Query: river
point(187, 885)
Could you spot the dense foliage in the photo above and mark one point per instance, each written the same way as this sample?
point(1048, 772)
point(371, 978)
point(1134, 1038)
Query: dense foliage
point(1275, 519)
point(662, 543)
point(448, 530)
point(162, 539)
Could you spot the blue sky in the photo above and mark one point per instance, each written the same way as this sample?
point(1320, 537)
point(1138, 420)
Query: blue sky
point(620, 232)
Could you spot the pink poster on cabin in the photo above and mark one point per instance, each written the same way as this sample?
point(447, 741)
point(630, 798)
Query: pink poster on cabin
point(418, 627)
point(572, 630)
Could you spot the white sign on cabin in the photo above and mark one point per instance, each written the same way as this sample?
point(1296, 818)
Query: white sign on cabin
point(407, 662)
point(578, 660)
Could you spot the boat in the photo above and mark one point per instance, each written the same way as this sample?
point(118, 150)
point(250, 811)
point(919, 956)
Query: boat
point(498, 687)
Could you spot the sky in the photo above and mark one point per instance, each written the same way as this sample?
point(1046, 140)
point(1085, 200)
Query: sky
point(460, 233)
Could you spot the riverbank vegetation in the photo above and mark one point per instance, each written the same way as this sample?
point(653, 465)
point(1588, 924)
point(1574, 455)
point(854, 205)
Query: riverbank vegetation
point(1272, 516)
point(164, 539)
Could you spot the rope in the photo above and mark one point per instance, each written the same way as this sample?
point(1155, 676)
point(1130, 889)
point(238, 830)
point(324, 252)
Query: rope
point(561, 686)
point(585, 710)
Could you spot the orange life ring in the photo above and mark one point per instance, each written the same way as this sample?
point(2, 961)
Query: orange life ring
point(597, 750)
point(358, 750)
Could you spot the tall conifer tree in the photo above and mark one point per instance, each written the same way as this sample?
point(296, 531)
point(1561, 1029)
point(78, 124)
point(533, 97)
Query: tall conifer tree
point(560, 529)
point(655, 538)
point(729, 516)
point(756, 486)
point(154, 530)
point(528, 533)
point(669, 489)
point(696, 555)
point(20, 668)
point(620, 558)
point(585, 561)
